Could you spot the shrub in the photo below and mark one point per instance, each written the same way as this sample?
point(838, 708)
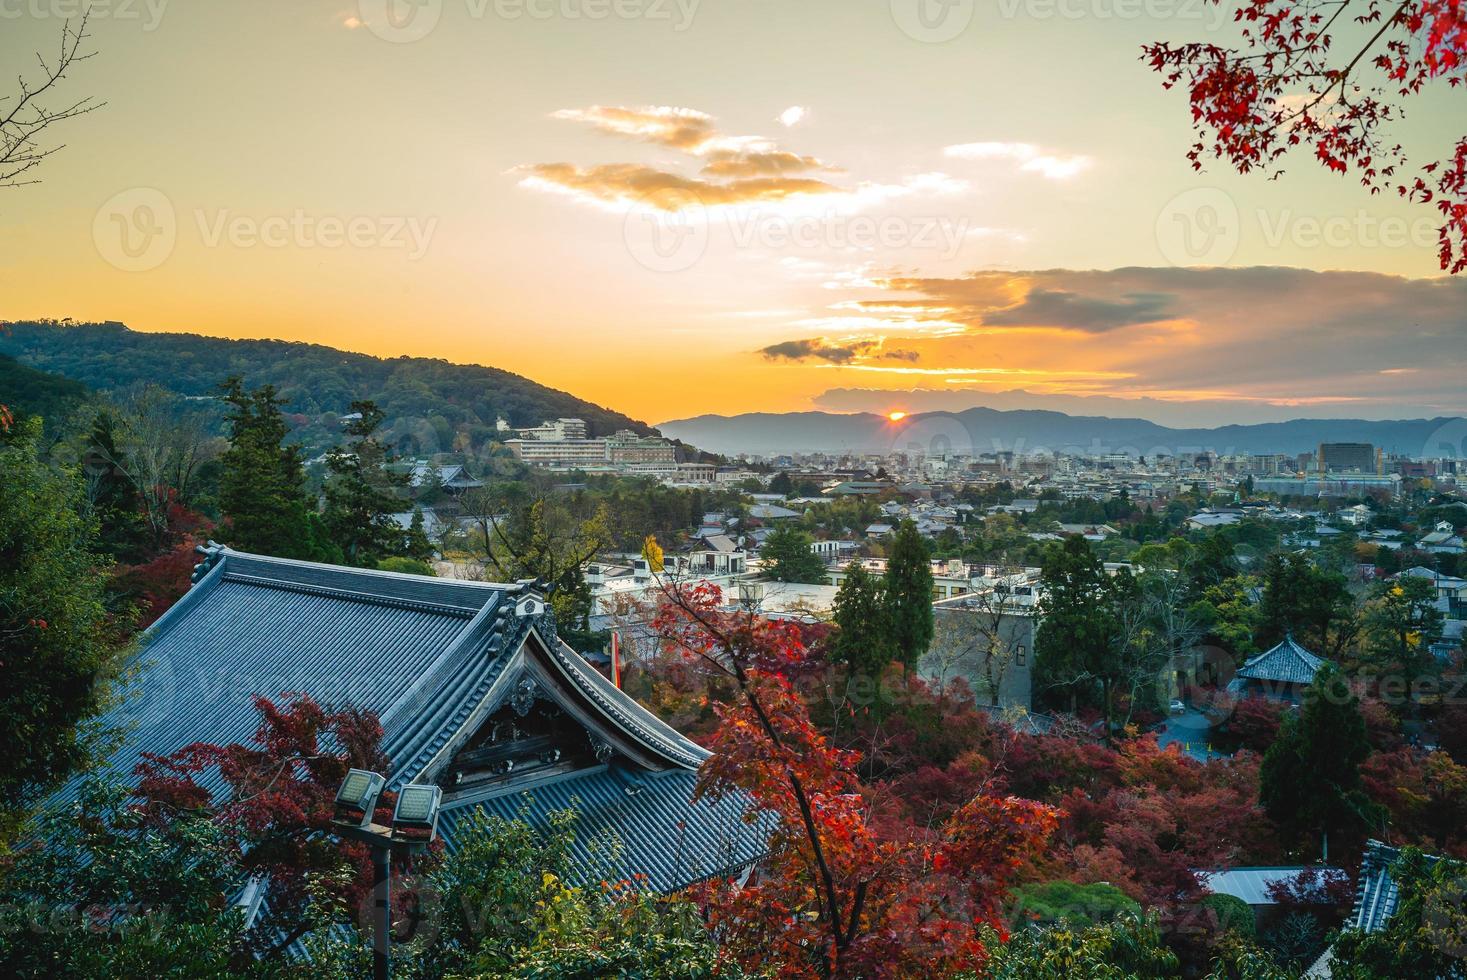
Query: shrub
point(1080, 906)
point(1233, 914)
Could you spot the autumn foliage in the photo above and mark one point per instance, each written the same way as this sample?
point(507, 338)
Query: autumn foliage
point(1332, 77)
point(276, 797)
point(848, 891)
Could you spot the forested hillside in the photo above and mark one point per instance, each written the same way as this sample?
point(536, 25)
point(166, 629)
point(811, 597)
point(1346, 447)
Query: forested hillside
point(30, 392)
point(450, 399)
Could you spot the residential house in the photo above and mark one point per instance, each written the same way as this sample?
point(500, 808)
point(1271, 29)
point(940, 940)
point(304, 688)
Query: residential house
point(1442, 540)
point(715, 554)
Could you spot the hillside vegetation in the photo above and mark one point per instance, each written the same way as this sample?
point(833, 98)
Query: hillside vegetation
point(30, 392)
point(445, 403)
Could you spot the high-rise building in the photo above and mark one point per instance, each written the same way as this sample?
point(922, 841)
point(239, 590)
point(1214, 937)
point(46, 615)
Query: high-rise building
point(1347, 457)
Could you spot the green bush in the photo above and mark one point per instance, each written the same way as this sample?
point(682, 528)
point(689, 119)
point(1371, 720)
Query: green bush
point(409, 565)
point(1064, 901)
point(1233, 914)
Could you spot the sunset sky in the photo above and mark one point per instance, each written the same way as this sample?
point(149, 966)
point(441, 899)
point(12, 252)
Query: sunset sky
point(674, 207)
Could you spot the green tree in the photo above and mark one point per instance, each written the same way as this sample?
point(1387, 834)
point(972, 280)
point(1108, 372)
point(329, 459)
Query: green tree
point(1078, 627)
point(59, 645)
point(161, 884)
point(1426, 936)
point(863, 640)
point(550, 540)
point(362, 494)
point(510, 905)
point(781, 483)
point(1227, 614)
point(1310, 778)
point(262, 487)
point(1211, 563)
point(787, 557)
point(1080, 906)
point(122, 531)
point(1128, 948)
point(1401, 620)
point(909, 593)
point(1313, 603)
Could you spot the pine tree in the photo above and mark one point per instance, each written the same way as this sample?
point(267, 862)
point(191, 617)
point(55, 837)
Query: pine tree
point(262, 487)
point(909, 593)
point(1078, 627)
point(362, 494)
point(864, 640)
point(787, 557)
point(1310, 777)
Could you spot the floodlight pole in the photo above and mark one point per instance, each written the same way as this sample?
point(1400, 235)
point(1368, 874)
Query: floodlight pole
point(379, 839)
point(382, 912)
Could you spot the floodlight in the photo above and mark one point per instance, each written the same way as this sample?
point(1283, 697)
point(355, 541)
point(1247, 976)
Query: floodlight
point(357, 797)
point(415, 819)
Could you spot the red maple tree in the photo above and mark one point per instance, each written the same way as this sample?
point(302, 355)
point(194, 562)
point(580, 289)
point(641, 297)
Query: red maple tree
point(847, 892)
point(1331, 75)
point(281, 791)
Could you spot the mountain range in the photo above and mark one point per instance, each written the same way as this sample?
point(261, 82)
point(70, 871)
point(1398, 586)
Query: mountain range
point(980, 430)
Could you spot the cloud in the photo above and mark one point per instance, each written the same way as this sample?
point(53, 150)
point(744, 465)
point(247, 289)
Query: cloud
point(1030, 158)
point(1052, 307)
point(734, 169)
point(818, 349)
point(793, 116)
point(631, 183)
point(760, 163)
point(682, 129)
point(1351, 342)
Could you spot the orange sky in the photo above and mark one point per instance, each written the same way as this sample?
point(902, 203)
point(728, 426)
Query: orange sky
point(724, 207)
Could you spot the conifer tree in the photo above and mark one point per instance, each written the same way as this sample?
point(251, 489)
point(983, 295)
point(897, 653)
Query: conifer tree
point(1310, 778)
point(787, 557)
point(1079, 625)
point(909, 593)
point(864, 640)
point(262, 487)
point(362, 494)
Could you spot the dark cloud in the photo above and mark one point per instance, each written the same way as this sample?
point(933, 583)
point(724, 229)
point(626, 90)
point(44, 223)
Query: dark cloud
point(1358, 342)
point(900, 355)
point(1057, 308)
point(818, 350)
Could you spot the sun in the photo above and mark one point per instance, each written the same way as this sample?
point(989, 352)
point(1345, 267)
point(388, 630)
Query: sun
point(896, 416)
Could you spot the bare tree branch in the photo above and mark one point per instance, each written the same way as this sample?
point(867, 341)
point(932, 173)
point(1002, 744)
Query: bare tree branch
point(25, 116)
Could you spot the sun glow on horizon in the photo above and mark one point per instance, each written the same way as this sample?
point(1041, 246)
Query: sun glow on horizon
point(896, 416)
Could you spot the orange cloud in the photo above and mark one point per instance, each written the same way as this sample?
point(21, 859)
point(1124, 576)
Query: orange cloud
point(627, 183)
point(682, 129)
point(737, 169)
